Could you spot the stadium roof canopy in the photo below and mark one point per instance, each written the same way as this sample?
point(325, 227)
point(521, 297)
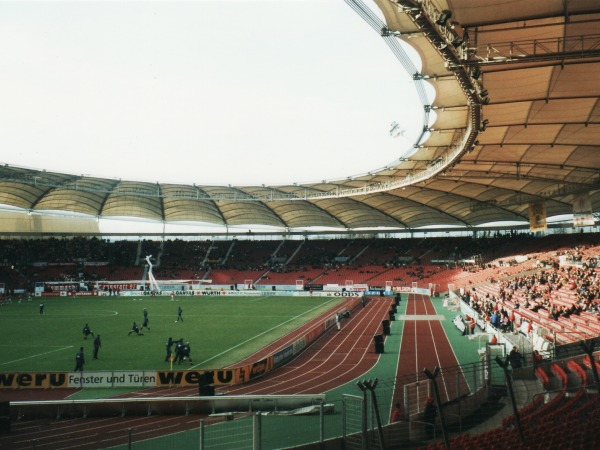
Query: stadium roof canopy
point(515, 120)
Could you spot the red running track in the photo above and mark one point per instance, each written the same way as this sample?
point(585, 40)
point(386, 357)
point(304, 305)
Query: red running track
point(336, 358)
point(426, 346)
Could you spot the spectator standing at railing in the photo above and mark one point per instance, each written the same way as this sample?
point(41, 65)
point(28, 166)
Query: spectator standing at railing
point(537, 359)
point(495, 319)
point(429, 417)
point(515, 358)
point(396, 413)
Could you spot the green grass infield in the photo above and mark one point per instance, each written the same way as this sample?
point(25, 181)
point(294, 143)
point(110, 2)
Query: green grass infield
point(221, 330)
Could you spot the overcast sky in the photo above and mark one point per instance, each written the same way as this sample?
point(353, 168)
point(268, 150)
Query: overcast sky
point(206, 92)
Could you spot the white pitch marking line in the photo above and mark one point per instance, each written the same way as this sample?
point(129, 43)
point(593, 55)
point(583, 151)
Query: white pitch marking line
point(35, 356)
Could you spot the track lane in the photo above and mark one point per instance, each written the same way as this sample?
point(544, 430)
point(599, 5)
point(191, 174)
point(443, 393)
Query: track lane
point(426, 346)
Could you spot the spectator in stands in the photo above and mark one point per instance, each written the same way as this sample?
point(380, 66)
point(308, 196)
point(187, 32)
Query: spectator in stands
point(79, 360)
point(429, 416)
point(97, 345)
point(505, 322)
point(515, 358)
point(87, 331)
point(537, 359)
point(472, 325)
point(495, 319)
point(135, 329)
point(465, 331)
point(396, 413)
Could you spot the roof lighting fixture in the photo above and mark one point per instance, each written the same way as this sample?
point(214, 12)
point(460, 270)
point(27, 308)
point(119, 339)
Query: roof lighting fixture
point(443, 17)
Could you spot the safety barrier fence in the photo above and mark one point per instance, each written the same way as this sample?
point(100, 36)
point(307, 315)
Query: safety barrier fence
point(474, 398)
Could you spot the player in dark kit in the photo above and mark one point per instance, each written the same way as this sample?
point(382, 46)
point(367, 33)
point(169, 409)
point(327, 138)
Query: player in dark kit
point(87, 331)
point(185, 352)
point(97, 345)
point(169, 351)
point(178, 351)
point(145, 323)
point(179, 312)
point(135, 329)
point(79, 360)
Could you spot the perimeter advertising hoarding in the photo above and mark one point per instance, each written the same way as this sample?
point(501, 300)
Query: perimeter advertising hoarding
point(30, 380)
point(283, 356)
point(178, 378)
point(110, 379)
point(254, 370)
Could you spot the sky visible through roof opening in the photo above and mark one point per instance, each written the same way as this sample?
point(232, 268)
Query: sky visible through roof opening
point(204, 92)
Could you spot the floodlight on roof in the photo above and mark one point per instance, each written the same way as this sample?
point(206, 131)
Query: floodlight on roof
point(457, 41)
point(443, 17)
point(419, 76)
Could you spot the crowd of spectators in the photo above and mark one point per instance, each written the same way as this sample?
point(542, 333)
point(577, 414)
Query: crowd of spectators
point(90, 259)
point(576, 276)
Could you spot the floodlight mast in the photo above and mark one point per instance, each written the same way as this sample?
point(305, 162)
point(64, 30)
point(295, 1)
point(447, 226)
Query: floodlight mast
point(153, 283)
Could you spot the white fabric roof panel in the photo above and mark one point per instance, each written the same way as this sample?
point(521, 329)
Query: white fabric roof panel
point(539, 136)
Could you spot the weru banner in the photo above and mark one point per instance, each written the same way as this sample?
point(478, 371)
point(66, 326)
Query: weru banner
point(537, 216)
point(117, 379)
point(582, 210)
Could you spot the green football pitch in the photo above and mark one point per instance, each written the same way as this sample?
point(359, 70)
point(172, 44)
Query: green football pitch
point(221, 330)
